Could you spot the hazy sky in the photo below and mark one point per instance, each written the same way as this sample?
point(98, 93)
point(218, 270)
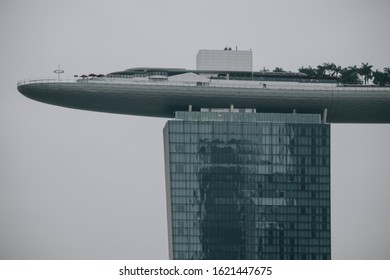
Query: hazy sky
point(86, 185)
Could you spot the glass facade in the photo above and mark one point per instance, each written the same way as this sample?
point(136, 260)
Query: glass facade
point(251, 189)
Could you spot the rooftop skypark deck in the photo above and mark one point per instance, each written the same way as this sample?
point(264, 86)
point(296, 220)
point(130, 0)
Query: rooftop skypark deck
point(163, 78)
point(222, 79)
point(158, 95)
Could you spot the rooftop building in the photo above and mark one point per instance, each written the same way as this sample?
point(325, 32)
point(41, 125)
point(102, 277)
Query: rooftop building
point(225, 60)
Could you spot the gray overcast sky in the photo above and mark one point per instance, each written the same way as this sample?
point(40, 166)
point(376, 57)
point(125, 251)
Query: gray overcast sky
point(86, 185)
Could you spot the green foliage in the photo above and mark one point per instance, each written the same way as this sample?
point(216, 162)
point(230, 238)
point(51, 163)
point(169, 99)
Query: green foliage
point(331, 69)
point(278, 69)
point(349, 75)
point(324, 71)
point(321, 71)
point(366, 72)
point(381, 78)
point(308, 71)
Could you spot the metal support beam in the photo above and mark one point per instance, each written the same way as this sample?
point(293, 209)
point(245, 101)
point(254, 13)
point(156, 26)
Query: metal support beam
point(325, 115)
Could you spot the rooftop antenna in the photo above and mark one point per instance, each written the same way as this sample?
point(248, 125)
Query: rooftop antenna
point(59, 71)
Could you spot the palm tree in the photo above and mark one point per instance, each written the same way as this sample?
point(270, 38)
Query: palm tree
point(349, 75)
point(366, 72)
point(278, 69)
point(337, 71)
point(320, 71)
point(381, 78)
point(386, 70)
point(329, 68)
point(308, 71)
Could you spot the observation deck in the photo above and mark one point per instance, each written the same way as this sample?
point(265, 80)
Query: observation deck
point(159, 95)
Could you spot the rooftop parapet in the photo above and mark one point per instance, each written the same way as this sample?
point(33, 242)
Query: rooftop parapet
point(248, 117)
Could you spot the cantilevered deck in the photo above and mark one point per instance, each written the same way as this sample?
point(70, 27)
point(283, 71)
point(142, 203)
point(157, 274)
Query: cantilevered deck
point(161, 98)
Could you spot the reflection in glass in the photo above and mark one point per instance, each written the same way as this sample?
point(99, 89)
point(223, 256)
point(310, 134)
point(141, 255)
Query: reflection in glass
point(248, 190)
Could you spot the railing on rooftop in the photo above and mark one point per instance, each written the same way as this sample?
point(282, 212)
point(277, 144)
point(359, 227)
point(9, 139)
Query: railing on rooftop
point(278, 79)
point(45, 81)
point(217, 83)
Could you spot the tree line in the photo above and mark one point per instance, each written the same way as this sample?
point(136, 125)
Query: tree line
point(346, 75)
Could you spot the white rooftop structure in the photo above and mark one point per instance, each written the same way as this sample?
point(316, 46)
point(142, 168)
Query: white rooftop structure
point(224, 60)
